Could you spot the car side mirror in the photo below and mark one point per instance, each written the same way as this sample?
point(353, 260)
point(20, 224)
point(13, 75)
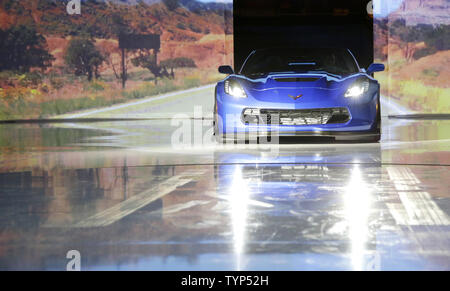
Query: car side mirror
point(226, 70)
point(375, 68)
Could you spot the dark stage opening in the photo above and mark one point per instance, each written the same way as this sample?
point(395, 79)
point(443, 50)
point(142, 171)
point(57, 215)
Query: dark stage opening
point(303, 23)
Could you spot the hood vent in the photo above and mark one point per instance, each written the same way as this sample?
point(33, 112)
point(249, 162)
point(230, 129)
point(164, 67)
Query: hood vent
point(296, 80)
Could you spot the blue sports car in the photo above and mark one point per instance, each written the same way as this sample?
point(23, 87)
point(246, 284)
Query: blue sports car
point(299, 92)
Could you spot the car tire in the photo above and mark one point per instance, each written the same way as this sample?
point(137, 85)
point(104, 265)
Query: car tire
point(378, 128)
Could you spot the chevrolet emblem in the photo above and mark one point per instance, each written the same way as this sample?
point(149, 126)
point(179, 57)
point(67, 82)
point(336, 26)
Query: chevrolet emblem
point(296, 97)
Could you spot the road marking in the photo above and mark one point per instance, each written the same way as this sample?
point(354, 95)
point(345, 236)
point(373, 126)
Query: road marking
point(134, 203)
point(149, 99)
point(417, 207)
point(183, 206)
point(393, 108)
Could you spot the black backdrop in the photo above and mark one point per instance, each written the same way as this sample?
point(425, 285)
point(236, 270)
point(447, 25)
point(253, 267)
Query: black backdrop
point(304, 23)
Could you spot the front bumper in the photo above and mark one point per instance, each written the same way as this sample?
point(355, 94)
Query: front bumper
point(362, 121)
point(336, 135)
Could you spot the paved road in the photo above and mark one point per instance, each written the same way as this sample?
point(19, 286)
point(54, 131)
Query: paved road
point(184, 102)
point(126, 198)
point(162, 106)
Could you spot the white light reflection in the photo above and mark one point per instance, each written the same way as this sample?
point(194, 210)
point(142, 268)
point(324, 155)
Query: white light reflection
point(239, 200)
point(357, 201)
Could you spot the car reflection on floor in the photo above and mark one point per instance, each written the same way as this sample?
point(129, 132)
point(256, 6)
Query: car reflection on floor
point(309, 207)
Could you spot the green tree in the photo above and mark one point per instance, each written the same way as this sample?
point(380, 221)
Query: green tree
point(438, 38)
point(435, 38)
point(171, 4)
point(22, 48)
point(118, 25)
point(84, 58)
point(407, 37)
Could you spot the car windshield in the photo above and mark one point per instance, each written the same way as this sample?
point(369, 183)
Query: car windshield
point(332, 61)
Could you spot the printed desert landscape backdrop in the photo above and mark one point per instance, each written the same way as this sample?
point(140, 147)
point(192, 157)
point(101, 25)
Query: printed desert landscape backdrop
point(413, 40)
point(53, 63)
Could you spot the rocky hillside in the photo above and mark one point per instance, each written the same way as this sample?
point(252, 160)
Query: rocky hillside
point(201, 31)
point(102, 19)
point(191, 5)
point(423, 11)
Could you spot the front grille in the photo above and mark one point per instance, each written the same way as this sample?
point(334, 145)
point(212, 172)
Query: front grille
point(296, 117)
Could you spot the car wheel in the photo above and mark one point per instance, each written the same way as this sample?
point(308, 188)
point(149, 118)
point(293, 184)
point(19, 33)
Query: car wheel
point(378, 128)
point(217, 136)
point(374, 139)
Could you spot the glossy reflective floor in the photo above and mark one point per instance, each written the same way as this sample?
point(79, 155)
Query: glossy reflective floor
point(121, 195)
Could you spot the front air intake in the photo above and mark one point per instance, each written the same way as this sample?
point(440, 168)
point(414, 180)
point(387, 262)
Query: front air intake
point(296, 80)
point(296, 117)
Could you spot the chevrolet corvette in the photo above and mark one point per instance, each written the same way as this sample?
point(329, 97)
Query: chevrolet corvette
point(299, 92)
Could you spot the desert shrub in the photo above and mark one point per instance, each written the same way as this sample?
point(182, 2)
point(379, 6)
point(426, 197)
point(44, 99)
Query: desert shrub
point(148, 61)
point(95, 86)
point(430, 73)
point(426, 51)
point(6, 75)
point(181, 26)
point(12, 95)
point(44, 88)
point(138, 75)
point(12, 79)
point(56, 82)
point(31, 79)
point(181, 62)
point(7, 78)
point(194, 28)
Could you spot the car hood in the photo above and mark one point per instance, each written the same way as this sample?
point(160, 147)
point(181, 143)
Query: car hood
point(289, 87)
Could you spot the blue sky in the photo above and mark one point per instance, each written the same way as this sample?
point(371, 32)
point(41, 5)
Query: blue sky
point(220, 1)
point(383, 7)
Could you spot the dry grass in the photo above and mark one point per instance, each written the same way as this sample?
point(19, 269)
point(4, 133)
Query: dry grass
point(70, 94)
point(416, 95)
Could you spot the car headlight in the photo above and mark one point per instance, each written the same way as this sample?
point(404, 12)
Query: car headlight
point(357, 89)
point(233, 88)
